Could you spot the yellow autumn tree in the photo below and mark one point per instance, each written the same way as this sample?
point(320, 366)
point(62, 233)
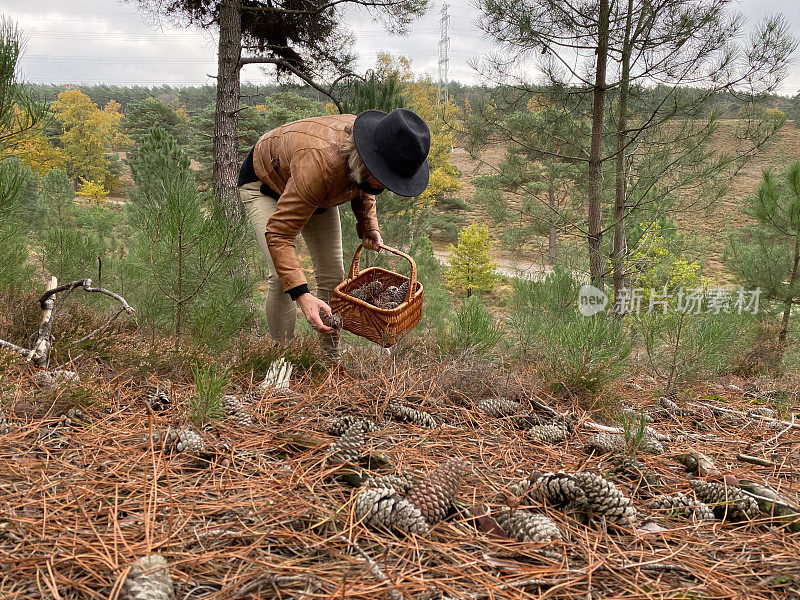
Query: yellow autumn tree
point(422, 96)
point(91, 191)
point(118, 139)
point(472, 269)
point(34, 149)
point(86, 137)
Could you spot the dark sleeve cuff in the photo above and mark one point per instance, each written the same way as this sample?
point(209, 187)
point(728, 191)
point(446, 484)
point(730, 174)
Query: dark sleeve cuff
point(298, 291)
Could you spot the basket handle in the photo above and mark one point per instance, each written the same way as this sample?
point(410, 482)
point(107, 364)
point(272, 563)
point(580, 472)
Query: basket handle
point(354, 267)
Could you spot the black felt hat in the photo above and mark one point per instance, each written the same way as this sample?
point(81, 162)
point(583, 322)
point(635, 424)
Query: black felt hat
point(394, 147)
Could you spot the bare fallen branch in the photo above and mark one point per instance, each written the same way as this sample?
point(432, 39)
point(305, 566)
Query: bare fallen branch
point(40, 352)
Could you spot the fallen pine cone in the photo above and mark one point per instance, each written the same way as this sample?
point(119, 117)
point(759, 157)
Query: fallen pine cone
point(526, 526)
point(347, 449)
point(499, 407)
point(237, 410)
point(342, 424)
point(434, 494)
point(549, 434)
point(400, 483)
point(681, 505)
point(148, 579)
point(384, 508)
point(411, 415)
point(727, 502)
point(604, 499)
point(558, 489)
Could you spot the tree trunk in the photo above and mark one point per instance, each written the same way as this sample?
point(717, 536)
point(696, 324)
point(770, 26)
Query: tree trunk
point(787, 311)
point(596, 150)
point(620, 246)
point(551, 240)
point(226, 116)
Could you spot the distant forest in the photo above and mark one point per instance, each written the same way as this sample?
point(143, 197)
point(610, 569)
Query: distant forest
point(197, 98)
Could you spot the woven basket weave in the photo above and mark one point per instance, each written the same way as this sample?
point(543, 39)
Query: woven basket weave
point(379, 325)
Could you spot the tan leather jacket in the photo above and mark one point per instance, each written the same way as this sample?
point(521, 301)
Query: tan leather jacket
point(301, 162)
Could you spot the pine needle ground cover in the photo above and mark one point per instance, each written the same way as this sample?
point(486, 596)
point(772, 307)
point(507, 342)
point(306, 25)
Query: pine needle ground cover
point(263, 511)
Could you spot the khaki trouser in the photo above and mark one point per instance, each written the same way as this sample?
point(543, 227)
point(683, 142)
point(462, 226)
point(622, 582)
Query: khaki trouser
point(323, 237)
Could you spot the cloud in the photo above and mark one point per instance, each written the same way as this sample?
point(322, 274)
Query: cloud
point(96, 41)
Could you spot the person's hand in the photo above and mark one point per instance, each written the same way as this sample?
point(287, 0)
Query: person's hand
point(311, 307)
point(372, 240)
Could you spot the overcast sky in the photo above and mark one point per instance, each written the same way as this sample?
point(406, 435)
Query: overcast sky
point(106, 41)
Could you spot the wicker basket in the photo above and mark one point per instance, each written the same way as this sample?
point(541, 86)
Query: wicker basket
point(379, 325)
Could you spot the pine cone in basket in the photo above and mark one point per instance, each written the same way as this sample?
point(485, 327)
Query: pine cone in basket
point(369, 292)
point(411, 415)
point(383, 507)
point(549, 434)
point(434, 494)
point(148, 579)
point(343, 423)
point(727, 501)
point(526, 526)
point(499, 407)
point(237, 410)
point(681, 505)
point(558, 489)
point(347, 448)
point(604, 499)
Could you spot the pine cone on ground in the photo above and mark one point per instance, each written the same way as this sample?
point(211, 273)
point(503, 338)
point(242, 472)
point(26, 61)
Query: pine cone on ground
point(549, 434)
point(681, 505)
point(411, 415)
point(604, 443)
point(526, 526)
point(369, 292)
point(525, 420)
point(158, 399)
point(727, 502)
point(558, 489)
point(650, 445)
point(237, 410)
point(343, 423)
point(761, 411)
point(347, 449)
point(383, 507)
point(499, 407)
point(604, 499)
point(635, 470)
point(148, 579)
point(5, 424)
point(185, 439)
point(74, 417)
point(434, 494)
point(400, 483)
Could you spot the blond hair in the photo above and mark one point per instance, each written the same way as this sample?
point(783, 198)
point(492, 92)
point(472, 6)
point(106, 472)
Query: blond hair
point(356, 168)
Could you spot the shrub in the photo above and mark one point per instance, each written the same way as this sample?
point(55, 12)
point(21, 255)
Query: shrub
point(210, 383)
point(471, 328)
point(683, 347)
point(585, 353)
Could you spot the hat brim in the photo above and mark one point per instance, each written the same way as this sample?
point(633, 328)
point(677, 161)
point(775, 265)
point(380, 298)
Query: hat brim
point(363, 128)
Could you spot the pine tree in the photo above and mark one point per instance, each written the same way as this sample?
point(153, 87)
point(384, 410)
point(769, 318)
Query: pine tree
point(472, 269)
point(767, 255)
point(142, 116)
point(186, 252)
